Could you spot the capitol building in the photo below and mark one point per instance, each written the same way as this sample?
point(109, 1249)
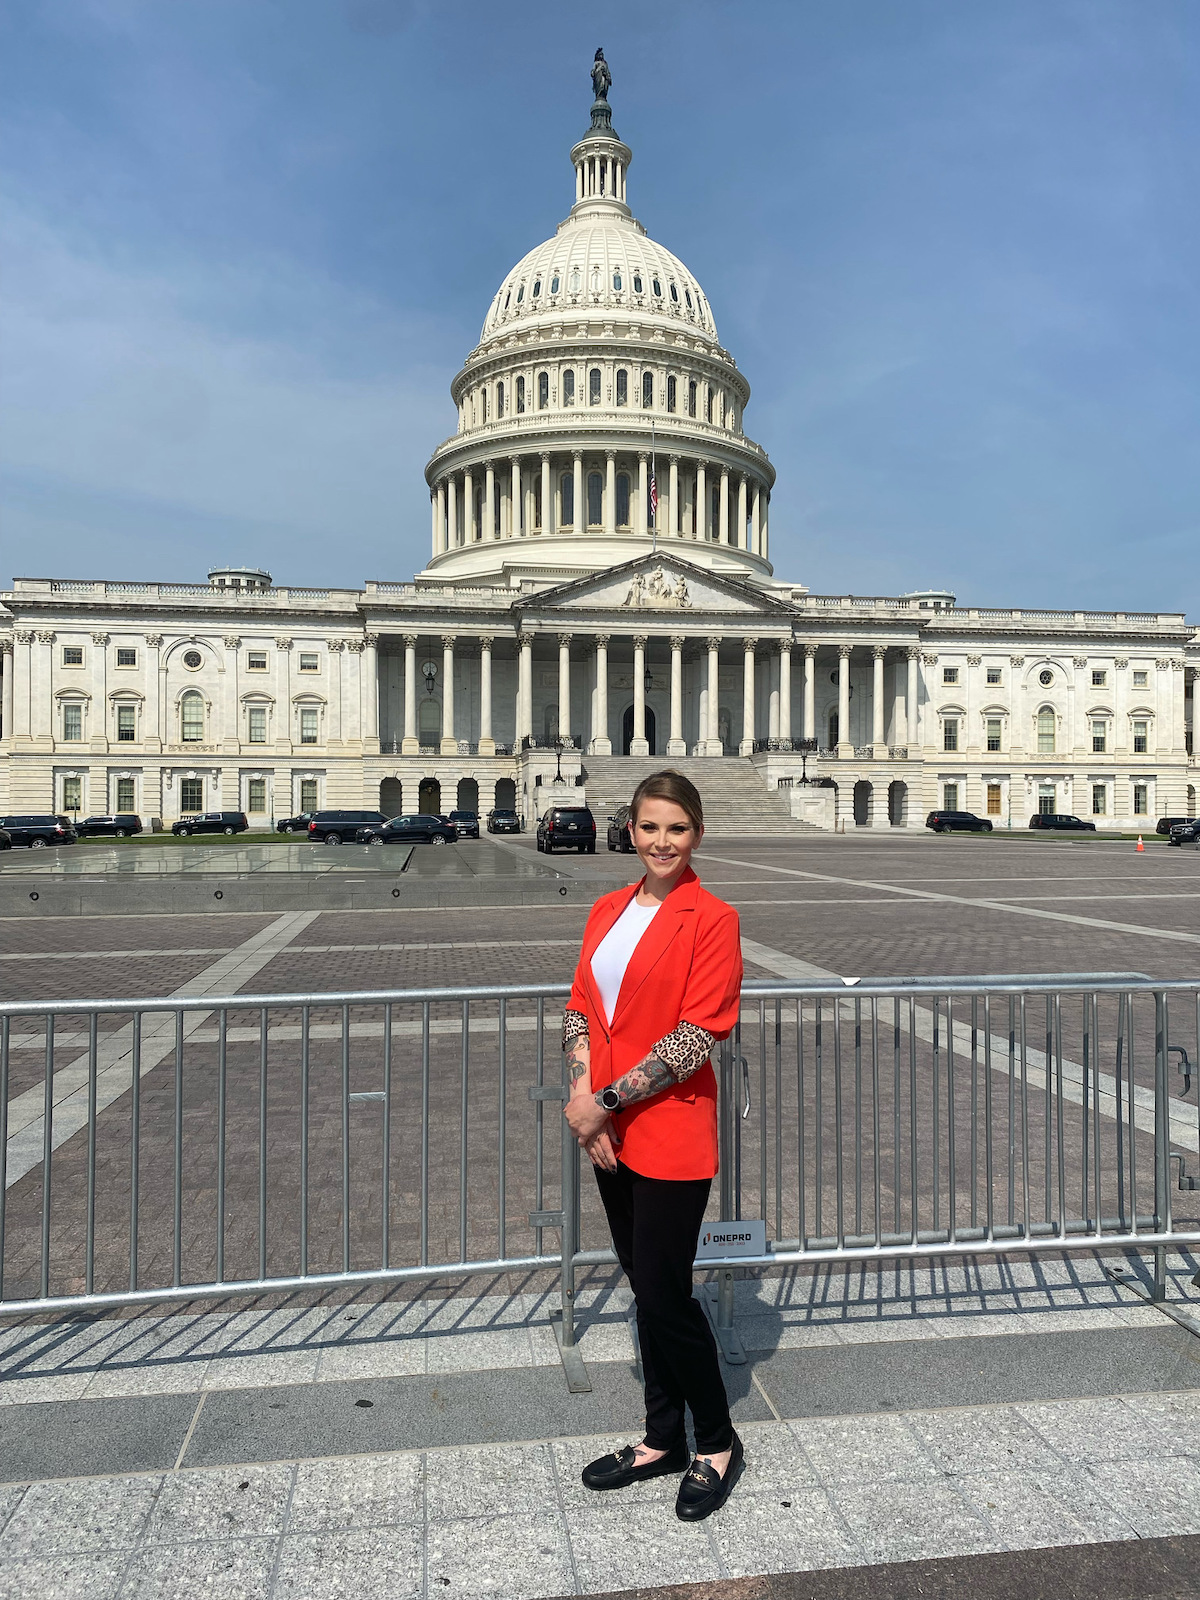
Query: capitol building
point(599, 597)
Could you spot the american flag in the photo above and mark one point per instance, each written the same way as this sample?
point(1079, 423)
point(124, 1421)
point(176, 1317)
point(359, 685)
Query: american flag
point(653, 498)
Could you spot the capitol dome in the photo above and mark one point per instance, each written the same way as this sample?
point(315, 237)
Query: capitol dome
point(599, 410)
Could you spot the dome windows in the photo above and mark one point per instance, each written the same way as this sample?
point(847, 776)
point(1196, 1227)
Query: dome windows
point(687, 295)
point(637, 283)
point(647, 390)
point(575, 280)
point(622, 387)
point(692, 397)
point(520, 294)
point(617, 280)
point(500, 399)
point(537, 288)
point(555, 281)
point(595, 280)
point(622, 500)
point(657, 287)
point(674, 294)
point(708, 404)
point(520, 394)
point(671, 393)
point(568, 387)
point(507, 298)
point(594, 387)
point(543, 390)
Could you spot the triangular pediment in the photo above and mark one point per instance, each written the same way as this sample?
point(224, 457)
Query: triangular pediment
point(660, 584)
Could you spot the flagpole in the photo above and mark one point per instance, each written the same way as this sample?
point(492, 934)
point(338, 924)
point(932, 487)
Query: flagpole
point(654, 480)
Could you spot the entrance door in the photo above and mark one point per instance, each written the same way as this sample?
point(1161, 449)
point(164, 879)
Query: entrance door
point(429, 797)
point(627, 730)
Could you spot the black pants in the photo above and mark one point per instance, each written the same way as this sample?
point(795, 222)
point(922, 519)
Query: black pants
point(655, 1224)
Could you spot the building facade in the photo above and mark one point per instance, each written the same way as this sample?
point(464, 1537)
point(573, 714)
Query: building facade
point(599, 586)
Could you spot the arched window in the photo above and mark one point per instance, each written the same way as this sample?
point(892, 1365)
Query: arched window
point(537, 502)
point(568, 388)
point(622, 387)
point(594, 387)
point(520, 394)
point(595, 491)
point(543, 390)
point(1045, 732)
point(657, 287)
point(647, 389)
point(622, 500)
point(500, 399)
point(554, 283)
point(833, 731)
point(708, 404)
point(520, 294)
point(483, 405)
point(617, 284)
point(566, 494)
point(507, 298)
point(191, 718)
point(691, 397)
point(671, 394)
point(687, 295)
point(574, 280)
point(637, 283)
point(595, 280)
point(674, 294)
point(537, 287)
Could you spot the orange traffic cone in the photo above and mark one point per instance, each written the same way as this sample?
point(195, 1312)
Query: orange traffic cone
point(1141, 846)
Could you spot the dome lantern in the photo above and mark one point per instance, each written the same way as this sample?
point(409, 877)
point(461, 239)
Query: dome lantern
point(600, 158)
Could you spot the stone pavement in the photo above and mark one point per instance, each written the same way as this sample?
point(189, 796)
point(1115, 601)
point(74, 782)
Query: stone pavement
point(417, 1447)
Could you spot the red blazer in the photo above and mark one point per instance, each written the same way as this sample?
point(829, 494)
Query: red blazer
point(687, 967)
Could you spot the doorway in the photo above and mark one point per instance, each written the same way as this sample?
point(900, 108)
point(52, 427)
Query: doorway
point(862, 803)
point(506, 794)
point(391, 797)
point(429, 797)
point(627, 731)
point(468, 794)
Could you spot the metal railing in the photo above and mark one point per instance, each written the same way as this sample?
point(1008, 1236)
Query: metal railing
point(168, 1149)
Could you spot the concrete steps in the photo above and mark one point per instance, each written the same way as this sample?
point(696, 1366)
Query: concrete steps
point(736, 800)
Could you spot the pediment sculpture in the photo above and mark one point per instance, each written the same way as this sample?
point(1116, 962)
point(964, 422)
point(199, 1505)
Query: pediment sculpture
point(656, 591)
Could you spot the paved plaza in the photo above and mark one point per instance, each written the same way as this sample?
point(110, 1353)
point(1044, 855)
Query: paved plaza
point(938, 1427)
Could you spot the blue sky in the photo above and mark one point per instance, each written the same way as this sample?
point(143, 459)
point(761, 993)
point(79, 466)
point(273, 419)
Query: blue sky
point(954, 248)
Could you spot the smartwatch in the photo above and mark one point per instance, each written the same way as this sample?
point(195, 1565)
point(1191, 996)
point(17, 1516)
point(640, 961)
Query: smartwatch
point(609, 1099)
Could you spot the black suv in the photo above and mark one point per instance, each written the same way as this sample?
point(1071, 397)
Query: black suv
point(618, 831)
point(295, 824)
point(1169, 824)
point(573, 827)
point(957, 822)
point(119, 826)
point(39, 831)
point(419, 828)
point(211, 822)
point(1185, 831)
point(341, 827)
point(1059, 822)
point(503, 822)
point(467, 823)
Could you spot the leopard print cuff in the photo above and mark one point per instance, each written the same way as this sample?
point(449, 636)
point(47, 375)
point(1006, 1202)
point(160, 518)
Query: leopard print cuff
point(575, 1026)
point(684, 1050)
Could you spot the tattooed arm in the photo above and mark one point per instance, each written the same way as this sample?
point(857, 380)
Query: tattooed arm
point(673, 1060)
point(578, 1050)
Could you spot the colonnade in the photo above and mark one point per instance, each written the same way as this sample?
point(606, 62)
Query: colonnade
point(553, 492)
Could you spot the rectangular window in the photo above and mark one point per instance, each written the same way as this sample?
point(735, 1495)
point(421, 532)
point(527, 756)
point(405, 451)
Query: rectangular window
point(623, 500)
point(568, 389)
point(993, 675)
point(671, 394)
point(72, 655)
point(72, 722)
point(126, 724)
point(191, 795)
point(125, 796)
point(191, 719)
point(692, 397)
point(1099, 737)
point(543, 390)
point(993, 799)
point(72, 794)
point(1141, 738)
point(708, 403)
point(520, 394)
point(594, 387)
point(126, 655)
point(949, 674)
point(256, 660)
point(567, 495)
point(1046, 800)
point(1045, 733)
point(308, 725)
point(1099, 678)
point(993, 733)
point(308, 794)
point(1140, 797)
point(1099, 799)
point(622, 387)
point(309, 661)
point(647, 390)
point(950, 797)
point(1140, 676)
point(256, 794)
point(258, 725)
point(950, 734)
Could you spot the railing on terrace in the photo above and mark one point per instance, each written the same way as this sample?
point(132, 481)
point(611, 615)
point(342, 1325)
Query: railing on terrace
point(168, 1149)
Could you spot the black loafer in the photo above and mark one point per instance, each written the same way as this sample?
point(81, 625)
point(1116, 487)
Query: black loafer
point(704, 1490)
point(615, 1471)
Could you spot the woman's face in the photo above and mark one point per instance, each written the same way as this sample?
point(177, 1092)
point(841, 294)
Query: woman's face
point(664, 839)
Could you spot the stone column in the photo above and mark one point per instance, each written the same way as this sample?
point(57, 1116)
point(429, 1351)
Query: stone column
point(1194, 723)
point(746, 747)
point(713, 746)
point(6, 690)
point(564, 686)
point(808, 725)
point(152, 741)
point(580, 523)
point(433, 517)
point(452, 511)
point(673, 523)
point(470, 533)
point(765, 552)
point(676, 745)
point(231, 730)
point(910, 698)
point(640, 524)
point(845, 745)
point(514, 503)
point(286, 733)
point(449, 746)
point(773, 697)
point(22, 672)
point(335, 650)
point(723, 525)
point(877, 725)
point(370, 671)
point(411, 745)
point(601, 744)
point(610, 494)
point(525, 683)
point(701, 501)
point(639, 745)
point(487, 744)
point(441, 542)
point(754, 524)
point(489, 500)
point(741, 540)
point(547, 497)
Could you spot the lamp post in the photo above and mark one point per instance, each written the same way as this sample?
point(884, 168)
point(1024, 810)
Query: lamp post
point(805, 748)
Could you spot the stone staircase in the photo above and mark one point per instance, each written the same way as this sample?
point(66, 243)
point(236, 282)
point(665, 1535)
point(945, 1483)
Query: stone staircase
point(736, 800)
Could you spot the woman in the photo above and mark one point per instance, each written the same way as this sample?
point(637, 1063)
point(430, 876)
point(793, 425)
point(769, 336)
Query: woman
point(657, 985)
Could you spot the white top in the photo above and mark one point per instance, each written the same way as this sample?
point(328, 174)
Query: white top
point(612, 955)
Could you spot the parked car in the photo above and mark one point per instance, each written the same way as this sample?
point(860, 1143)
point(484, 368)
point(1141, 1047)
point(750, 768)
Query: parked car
point(618, 831)
point(38, 831)
point(341, 827)
point(501, 821)
point(119, 826)
point(295, 824)
point(211, 822)
point(957, 822)
point(1058, 820)
point(572, 827)
point(466, 822)
point(1169, 824)
point(5, 839)
point(1185, 831)
point(420, 828)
